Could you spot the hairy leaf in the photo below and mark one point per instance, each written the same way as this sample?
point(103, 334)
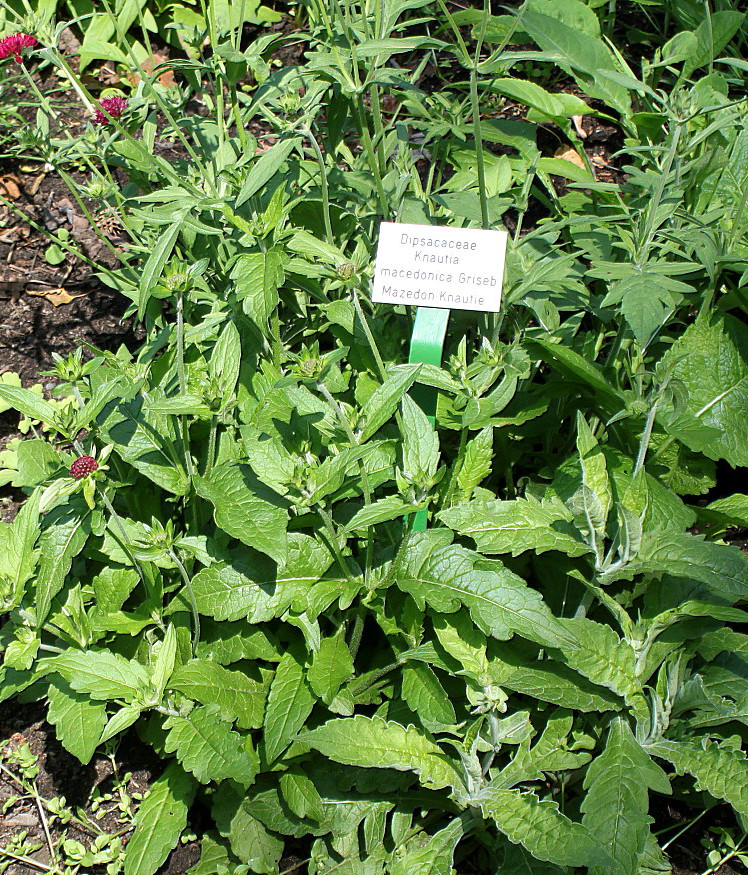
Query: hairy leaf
point(160, 821)
point(375, 743)
point(206, 746)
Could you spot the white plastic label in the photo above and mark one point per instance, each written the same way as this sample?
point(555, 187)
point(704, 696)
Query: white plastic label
point(432, 266)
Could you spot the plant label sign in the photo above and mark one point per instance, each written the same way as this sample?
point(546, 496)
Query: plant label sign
point(432, 266)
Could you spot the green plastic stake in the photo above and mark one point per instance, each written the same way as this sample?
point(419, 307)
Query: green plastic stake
point(427, 345)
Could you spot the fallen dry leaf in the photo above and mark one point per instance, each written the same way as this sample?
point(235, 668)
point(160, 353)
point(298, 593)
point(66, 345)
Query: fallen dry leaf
point(165, 78)
point(10, 187)
point(566, 153)
point(55, 296)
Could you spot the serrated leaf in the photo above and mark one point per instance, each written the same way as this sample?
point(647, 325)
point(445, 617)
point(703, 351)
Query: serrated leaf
point(160, 821)
point(604, 658)
point(384, 400)
point(301, 795)
point(238, 696)
point(541, 828)
point(250, 841)
point(445, 577)
point(420, 440)
point(433, 856)
point(78, 721)
point(517, 526)
point(722, 568)
point(258, 276)
point(28, 403)
point(206, 746)
point(554, 751)
point(375, 743)
point(718, 769)
point(101, 674)
point(65, 533)
point(550, 682)
point(476, 465)
point(246, 508)
point(143, 438)
point(331, 666)
point(225, 643)
point(424, 694)
point(711, 360)
point(290, 702)
point(616, 802)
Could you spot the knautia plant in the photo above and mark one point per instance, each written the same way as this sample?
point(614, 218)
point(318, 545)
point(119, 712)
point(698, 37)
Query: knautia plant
point(217, 549)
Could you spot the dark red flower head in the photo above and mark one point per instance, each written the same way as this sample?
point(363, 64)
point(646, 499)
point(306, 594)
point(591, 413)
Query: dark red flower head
point(13, 45)
point(115, 106)
point(83, 466)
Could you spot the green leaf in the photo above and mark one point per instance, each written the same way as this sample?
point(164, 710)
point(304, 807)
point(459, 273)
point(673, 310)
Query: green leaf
point(226, 358)
point(249, 838)
point(581, 55)
point(424, 694)
point(18, 558)
point(28, 403)
point(430, 855)
point(712, 36)
point(206, 746)
point(541, 828)
point(572, 365)
point(616, 802)
point(719, 769)
point(383, 510)
point(301, 796)
point(384, 400)
point(225, 643)
point(290, 702)
point(446, 577)
point(238, 696)
point(711, 360)
point(246, 508)
point(476, 464)
point(723, 568)
point(63, 538)
point(250, 588)
point(594, 476)
point(145, 439)
point(517, 526)
point(375, 743)
point(267, 165)
point(555, 751)
point(78, 721)
point(160, 821)
point(604, 658)
point(331, 666)
point(159, 255)
point(258, 276)
point(101, 674)
point(420, 440)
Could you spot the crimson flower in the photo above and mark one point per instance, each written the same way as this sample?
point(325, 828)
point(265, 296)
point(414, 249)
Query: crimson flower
point(115, 106)
point(83, 466)
point(13, 45)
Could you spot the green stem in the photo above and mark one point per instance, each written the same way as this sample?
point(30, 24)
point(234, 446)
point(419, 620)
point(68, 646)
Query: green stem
point(323, 183)
point(333, 539)
point(191, 596)
point(645, 438)
point(363, 130)
point(477, 136)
